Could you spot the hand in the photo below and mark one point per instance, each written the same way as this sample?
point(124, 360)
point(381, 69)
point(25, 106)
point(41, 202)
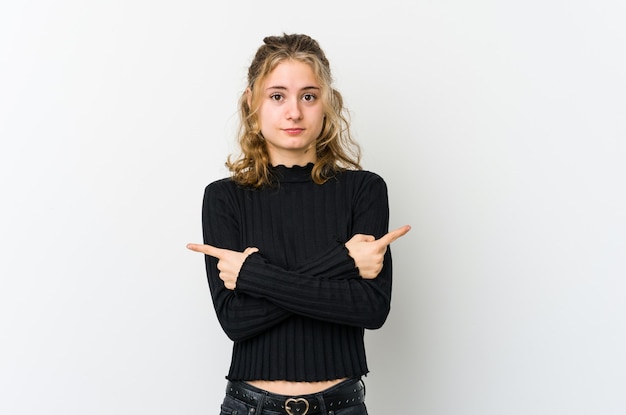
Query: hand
point(229, 262)
point(368, 252)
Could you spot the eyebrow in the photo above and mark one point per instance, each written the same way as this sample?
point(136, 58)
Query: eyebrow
point(306, 88)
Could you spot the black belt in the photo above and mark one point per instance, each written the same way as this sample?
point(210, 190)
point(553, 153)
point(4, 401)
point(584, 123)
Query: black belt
point(348, 393)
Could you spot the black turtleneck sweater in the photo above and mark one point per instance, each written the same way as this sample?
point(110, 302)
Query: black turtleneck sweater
point(299, 309)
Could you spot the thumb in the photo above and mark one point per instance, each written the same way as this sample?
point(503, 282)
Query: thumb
point(250, 251)
point(359, 237)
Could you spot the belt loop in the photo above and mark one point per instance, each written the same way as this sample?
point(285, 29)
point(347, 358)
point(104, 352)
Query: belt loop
point(261, 405)
point(320, 399)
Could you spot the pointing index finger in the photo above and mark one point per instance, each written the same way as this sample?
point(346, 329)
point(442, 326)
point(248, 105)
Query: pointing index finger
point(395, 234)
point(207, 250)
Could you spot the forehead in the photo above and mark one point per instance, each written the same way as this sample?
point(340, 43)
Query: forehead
point(292, 74)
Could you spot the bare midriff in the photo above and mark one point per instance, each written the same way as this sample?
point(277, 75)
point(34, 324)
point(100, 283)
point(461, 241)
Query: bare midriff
point(283, 387)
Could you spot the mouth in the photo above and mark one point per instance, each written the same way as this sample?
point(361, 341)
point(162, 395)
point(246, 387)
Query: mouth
point(293, 130)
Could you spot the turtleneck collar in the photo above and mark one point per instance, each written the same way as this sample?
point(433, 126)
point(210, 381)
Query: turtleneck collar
point(286, 174)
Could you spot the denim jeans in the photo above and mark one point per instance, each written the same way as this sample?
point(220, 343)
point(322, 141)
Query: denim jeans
point(234, 406)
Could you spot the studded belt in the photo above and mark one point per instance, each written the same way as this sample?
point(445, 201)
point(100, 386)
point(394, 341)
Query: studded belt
point(348, 393)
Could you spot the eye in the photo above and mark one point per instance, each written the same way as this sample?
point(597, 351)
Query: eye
point(309, 97)
point(276, 97)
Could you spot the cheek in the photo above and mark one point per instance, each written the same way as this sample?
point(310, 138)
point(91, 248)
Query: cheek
point(320, 121)
point(262, 119)
point(267, 116)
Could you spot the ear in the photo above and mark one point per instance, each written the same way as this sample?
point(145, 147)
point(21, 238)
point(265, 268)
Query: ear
point(249, 97)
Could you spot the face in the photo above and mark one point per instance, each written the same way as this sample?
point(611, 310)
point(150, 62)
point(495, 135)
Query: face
point(291, 114)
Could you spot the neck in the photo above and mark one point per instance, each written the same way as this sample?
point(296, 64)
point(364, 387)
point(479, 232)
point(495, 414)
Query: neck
point(290, 160)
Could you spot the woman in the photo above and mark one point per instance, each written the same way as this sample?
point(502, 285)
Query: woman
point(296, 242)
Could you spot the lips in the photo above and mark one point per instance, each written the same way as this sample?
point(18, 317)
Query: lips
point(293, 130)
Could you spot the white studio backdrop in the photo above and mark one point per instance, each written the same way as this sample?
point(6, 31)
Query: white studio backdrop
point(498, 126)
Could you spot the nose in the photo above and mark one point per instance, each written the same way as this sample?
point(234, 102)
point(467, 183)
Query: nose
point(293, 111)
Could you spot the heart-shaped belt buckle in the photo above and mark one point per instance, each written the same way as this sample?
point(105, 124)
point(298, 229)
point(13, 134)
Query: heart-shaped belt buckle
point(296, 406)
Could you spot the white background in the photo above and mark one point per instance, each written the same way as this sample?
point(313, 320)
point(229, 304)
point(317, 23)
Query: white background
point(498, 126)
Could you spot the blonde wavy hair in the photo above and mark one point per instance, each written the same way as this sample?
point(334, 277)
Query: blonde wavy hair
point(335, 148)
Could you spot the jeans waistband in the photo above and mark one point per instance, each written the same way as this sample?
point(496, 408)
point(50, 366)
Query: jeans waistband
point(343, 395)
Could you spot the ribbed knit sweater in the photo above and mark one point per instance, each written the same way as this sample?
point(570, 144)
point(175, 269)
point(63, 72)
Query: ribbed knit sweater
point(299, 309)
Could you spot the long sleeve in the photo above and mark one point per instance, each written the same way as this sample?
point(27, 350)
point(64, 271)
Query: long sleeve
point(299, 308)
point(241, 316)
point(339, 295)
